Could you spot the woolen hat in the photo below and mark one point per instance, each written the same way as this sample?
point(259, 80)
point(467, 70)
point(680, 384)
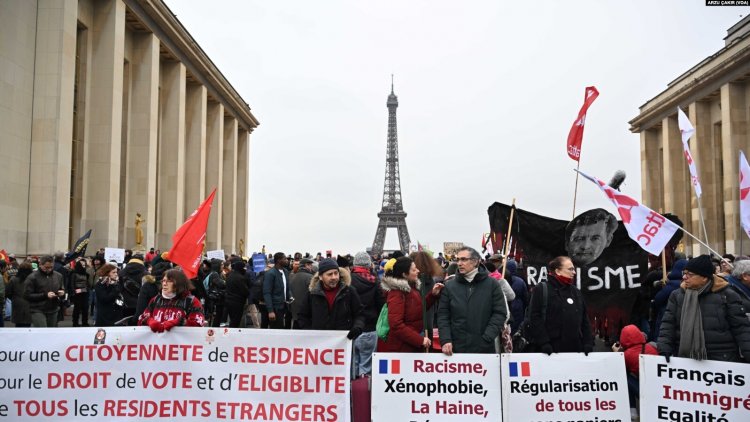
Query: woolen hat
point(362, 259)
point(701, 265)
point(327, 265)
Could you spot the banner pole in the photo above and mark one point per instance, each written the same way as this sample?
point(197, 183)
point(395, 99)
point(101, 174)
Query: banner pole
point(663, 261)
point(507, 237)
point(703, 223)
point(575, 191)
point(702, 243)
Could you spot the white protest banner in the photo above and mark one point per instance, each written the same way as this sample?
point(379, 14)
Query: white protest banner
point(434, 387)
point(195, 374)
point(114, 254)
point(217, 254)
point(564, 387)
point(692, 390)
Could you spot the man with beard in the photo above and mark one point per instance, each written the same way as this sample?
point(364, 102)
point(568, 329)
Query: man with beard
point(44, 290)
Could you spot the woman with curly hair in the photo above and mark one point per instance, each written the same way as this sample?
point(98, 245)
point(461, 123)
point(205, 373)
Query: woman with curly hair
point(174, 306)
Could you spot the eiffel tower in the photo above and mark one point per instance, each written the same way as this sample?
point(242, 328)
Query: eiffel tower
point(392, 214)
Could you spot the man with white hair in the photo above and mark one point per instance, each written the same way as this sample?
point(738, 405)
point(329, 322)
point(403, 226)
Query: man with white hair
point(739, 280)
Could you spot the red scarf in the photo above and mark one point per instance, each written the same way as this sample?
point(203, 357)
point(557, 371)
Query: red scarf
point(364, 273)
point(331, 295)
point(564, 280)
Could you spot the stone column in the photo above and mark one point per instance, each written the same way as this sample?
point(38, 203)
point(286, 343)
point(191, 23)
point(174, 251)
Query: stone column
point(214, 171)
point(733, 134)
point(651, 188)
point(195, 147)
point(676, 176)
point(707, 155)
point(144, 121)
point(101, 179)
point(171, 169)
point(242, 182)
point(229, 187)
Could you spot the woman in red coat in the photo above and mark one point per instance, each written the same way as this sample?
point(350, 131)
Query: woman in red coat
point(405, 313)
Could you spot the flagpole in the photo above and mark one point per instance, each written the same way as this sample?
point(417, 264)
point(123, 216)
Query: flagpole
point(575, 191)
point(663, 261)
point(700, 241)
point(507, 237)
point(700, 213)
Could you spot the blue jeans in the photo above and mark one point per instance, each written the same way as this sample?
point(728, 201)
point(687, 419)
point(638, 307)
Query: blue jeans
point(364, 346)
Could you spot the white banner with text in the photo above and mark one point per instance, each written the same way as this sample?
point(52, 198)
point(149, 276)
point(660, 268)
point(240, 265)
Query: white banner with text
point(420, 387)
point(693, 390)
point(196, 374)
point(564, 387)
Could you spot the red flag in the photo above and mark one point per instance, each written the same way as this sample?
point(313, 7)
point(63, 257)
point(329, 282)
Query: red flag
point(187, 242)
point(575, 137)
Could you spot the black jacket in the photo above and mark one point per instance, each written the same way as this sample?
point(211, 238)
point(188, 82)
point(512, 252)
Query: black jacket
point(38, 284)
point(147, 292)
point(107, 312)
point(130, 282)
point(371, 296)
point(345, 314)
point(238, 289)
point(726, 328)
point(472, 315)
point(20, 313)
point(273, 289)
point(566, 326)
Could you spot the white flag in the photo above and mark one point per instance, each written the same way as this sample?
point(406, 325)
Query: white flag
point(687, 130)
point(744, 193)
point(651, 230)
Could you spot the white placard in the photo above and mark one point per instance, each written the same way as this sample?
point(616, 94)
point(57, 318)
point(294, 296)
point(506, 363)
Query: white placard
point(564, 386)
point(692, 390)
point(420, 387)
point(217, 254)
point(188, 373)
point(114, 254)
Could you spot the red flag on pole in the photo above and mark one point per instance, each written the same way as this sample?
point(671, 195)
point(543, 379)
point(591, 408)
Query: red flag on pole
point(575, 137)
point(187, 242)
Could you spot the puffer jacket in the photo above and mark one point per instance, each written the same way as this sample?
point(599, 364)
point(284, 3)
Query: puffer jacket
point(659, 304)
point(405, 317)
point(726, 328)
point(633, 343)
point(38, 284)
point(130, 281)
point(345, 314)
point(471, 315)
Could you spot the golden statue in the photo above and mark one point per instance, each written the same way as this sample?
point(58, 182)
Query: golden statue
point(138, 230)
point(242, 247)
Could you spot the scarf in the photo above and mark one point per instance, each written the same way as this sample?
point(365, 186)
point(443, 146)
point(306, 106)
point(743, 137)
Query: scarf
point(692, 340)
point(564, 280)
point(168, 296)
point(469, 277)
point(364, 273)
point(331, 295)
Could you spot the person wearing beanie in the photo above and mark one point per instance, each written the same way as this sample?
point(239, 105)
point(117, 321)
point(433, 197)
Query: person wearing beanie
point(277, 292)
point(705, 318)
point(472, 309)
point(371, 296)
point(406, 313)
point(130, 286)
point(236, 294)
point(332, 303)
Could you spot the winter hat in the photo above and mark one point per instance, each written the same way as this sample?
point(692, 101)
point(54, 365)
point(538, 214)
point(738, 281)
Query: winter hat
point(389, 265)
point(511, 266)
point(701, 265)
point(343, 261)
point(402, 266)
point(327, 265)
point(361, 259)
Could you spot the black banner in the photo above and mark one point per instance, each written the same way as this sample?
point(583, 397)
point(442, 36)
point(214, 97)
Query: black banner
point(610, 267)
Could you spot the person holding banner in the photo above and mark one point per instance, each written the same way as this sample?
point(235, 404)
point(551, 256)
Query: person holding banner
point(405, 309)
point(705, 318)
point(472, 309)
point(563, 325)
point(175, 306)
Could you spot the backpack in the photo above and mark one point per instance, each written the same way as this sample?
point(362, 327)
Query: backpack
point(523, 341)
point(382, 327)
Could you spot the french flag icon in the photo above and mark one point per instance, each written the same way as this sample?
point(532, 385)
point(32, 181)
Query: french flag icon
point(522, 369)
point(392, 366)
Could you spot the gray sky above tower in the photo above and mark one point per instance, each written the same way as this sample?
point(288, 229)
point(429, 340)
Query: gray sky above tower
point(487, 93)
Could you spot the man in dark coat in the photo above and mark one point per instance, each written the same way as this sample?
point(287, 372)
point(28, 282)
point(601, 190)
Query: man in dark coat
point(237, 293)
point(710, 303)
point(300, 285)
point(44, 291)
point(332, 304)
point(472, 309)
point(277, 292)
